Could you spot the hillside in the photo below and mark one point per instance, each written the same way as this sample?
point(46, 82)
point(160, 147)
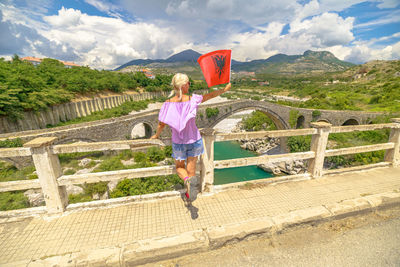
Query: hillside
point(186, 61)
point(373, 86)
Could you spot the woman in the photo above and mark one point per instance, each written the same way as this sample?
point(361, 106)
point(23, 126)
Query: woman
point(179, 112)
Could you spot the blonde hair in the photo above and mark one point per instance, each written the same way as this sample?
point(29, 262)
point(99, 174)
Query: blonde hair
point(177, 82)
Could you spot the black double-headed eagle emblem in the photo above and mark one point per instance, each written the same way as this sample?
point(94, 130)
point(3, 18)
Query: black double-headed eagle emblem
point(219, 62)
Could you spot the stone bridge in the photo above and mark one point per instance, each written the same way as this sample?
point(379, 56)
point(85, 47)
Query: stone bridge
point(121, 128)
point(280, 114)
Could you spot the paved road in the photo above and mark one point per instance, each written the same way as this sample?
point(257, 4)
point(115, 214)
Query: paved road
point(367, 240)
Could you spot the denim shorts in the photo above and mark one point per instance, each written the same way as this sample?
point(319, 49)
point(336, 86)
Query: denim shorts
point(182, 151)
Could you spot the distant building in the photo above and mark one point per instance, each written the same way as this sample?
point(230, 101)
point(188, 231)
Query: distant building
point(242, 74)
point(148, 73)
point(36, 61)
point(263, 83)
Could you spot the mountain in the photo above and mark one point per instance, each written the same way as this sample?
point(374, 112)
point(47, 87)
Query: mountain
point(187, 55)
point(184, 56)
point(186, 61)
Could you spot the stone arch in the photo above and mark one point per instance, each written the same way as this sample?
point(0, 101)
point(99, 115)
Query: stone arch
point(141, 129)
point(278, 121)
point(19, 162)
point(351, 121)
point(300, 122)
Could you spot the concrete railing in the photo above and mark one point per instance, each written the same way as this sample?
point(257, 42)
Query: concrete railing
point(53, 183)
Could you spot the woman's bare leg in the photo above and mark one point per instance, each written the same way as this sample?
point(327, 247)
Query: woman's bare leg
point(191, 166)
point(180, 169)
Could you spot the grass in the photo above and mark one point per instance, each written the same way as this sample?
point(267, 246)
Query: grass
point(9, 172)
point(13, 200)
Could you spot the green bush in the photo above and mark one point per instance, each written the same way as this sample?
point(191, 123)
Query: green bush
point(126, 154)
point(110, 164)
point(11, 143)
point(146, 185)
point(13, 200)
point(9, 172)
point(258, 121)
point(316, 113)
point(95, 188)
point(211, 112)
point(77, 198)
point(140, 156)
point(28, 87)
point(299, 143)
point(168, 151)
point(155, 154)
point(293, 116)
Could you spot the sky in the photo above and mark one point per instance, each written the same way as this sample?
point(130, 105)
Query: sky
point(105, 34)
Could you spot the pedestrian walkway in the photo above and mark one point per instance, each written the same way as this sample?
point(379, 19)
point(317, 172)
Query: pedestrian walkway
point(108, 227)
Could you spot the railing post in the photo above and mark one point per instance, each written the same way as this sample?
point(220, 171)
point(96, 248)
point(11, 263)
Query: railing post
point(48, 169)
point(318, 145)
point(393, 155)
point(207, 160)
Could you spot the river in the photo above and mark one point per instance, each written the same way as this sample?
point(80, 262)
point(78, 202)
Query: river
point(232, 150)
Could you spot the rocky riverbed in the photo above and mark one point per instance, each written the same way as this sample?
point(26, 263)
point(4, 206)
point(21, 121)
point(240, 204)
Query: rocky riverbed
point(271, 146)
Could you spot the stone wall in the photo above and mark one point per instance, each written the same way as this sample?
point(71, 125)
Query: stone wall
point(53, 115)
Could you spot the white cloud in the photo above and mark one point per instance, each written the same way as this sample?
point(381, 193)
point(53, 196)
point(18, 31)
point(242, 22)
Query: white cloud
point(251, 45)
point(109, 42)
point(65, 18)
point(363, 53)
point(317, 33)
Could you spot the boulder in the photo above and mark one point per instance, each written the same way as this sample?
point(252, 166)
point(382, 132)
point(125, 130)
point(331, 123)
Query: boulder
point(74, 189)
point(84, 162)
point(35, 197)
point(128, 162)
point(112, 185)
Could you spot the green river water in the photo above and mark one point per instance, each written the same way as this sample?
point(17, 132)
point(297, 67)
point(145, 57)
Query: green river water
point(232, 150)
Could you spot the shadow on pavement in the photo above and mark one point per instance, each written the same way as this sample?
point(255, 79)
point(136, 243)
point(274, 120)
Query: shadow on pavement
point(188, 204)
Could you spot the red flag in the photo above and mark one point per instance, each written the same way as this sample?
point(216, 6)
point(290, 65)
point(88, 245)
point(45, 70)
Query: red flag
point(216, 67)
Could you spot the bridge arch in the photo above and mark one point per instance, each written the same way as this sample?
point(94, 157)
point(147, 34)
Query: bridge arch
point(300, 122)
point(351, 121)
point(11, 161)
point(278, 121)
point(141, 129)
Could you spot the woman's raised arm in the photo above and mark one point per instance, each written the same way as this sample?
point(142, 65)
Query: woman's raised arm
point(213, 94)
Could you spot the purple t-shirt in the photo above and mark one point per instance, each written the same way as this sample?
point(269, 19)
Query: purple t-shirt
point(181, 118)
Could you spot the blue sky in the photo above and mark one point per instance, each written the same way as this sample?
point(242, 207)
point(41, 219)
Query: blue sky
point(106, 34)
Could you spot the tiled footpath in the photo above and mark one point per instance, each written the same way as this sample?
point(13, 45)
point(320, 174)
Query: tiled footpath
point(110, 233)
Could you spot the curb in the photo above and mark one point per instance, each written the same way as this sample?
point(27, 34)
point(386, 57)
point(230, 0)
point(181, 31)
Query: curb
point(163, 248)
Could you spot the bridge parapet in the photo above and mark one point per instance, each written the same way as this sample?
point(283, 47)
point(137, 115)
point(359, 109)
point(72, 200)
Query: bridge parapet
point(52, 182)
